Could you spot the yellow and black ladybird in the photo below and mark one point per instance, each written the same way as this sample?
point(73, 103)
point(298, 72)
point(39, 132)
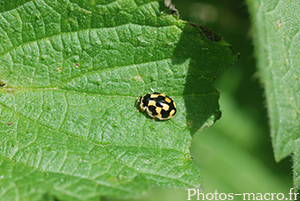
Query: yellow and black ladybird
point(157, 105)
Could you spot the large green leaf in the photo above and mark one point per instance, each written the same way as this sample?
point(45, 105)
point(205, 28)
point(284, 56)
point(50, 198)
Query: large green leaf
point(277, 42)
point(70, 73)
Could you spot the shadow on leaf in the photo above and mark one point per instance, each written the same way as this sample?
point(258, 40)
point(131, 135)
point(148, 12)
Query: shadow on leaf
point(208, 56)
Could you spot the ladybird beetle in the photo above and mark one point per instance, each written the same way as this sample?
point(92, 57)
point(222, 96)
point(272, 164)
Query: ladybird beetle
point(157, 105)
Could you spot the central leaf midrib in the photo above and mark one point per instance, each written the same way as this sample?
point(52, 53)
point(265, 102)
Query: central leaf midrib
point(76, 32)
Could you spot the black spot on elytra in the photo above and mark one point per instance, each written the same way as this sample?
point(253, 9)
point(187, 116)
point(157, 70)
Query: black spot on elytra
point(165, 114)
point(152, 109)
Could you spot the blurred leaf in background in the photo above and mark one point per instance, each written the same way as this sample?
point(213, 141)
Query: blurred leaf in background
point(277, 43)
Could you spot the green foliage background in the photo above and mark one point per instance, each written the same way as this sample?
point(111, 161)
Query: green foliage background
point(235, 155)
point(70, 74)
